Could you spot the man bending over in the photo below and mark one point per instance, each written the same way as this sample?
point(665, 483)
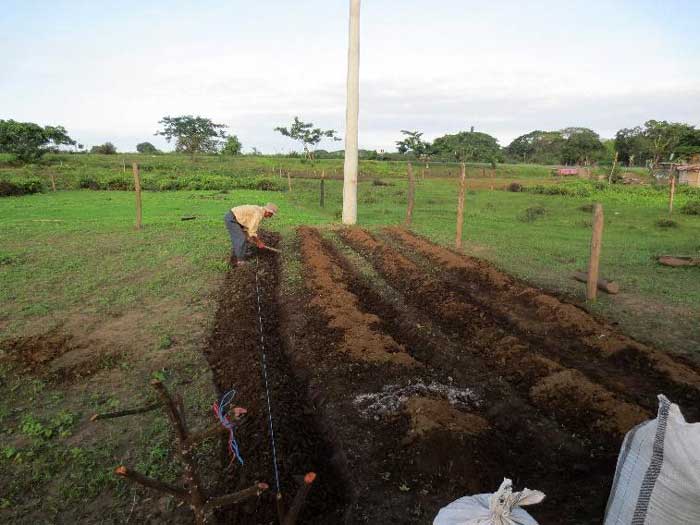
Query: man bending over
point(242, 223)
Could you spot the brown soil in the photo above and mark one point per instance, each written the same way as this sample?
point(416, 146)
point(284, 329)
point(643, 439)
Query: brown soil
point(234, 356)
point(332, 296)
point(429, 415)
point(568, 334)
point(432, 378)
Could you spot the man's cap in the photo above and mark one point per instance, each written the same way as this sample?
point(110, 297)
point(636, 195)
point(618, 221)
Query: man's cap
point(272, 208)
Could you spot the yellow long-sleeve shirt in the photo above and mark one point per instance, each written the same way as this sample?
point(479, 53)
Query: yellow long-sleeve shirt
point(249, 216)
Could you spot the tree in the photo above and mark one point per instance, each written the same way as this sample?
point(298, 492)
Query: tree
point(664, 137)
point(147, 147)
point(412, 143)
point(540, 147)
point(233, 146)
point(632, 146)
point(192, 134)
point(467, 146)
point(305, 133)
point(105, 149)
point(581, 146)
point(29, 141)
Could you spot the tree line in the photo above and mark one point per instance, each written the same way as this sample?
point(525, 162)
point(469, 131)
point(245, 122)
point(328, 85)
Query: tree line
point(648, 144)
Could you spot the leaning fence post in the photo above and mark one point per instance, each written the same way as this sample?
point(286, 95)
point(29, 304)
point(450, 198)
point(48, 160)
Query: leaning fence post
point(137, 189)
point(289, 181)
point(53, 182)
point(460, 206)
point(323, 188)
point(596, 243)
point(672, 177)
point(411, 196)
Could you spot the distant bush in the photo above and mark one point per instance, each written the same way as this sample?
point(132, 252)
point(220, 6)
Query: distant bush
point(88, 182)
point(147, 148)
point(380, 182)
point(588, 208)
point(666, 223)
point(105, 149)
point(691, 208)
point(23, 186)
point(533, 213)
point(569, 190)
point(118, 182)
point(514, 187)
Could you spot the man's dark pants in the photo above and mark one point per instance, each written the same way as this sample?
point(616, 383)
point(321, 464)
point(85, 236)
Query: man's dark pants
point(238, 238)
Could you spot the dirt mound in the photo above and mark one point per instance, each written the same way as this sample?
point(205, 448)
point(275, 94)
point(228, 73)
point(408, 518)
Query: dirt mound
point(429, 415)
point(566, 333)
point(359, 338)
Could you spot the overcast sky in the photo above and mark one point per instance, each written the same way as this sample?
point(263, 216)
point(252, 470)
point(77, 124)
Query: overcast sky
point(108, 71)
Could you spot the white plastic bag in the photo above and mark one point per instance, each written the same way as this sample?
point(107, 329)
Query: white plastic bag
point(657, 479)
point(500, 508)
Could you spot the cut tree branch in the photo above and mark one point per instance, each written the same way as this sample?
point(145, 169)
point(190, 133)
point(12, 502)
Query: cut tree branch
point(151, 483)
point(129, 412)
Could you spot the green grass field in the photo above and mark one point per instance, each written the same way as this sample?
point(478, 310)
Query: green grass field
point(140, 303)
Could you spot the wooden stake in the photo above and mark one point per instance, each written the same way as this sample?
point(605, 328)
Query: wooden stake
point(291, 517)
point(123, 166)
point(289, 182)
point(596, 244)
point(613, 169)
point(673, 191)
point(137, 189)
point(460, 207)
point(53, 182)
point(411, 196)
point(323, 188)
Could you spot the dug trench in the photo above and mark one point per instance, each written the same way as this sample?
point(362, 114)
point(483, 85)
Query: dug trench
point(544, 387)
point(234, 355)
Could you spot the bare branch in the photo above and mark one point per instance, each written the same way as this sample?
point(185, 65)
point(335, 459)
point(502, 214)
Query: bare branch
point(141, 410)
point(151, 483)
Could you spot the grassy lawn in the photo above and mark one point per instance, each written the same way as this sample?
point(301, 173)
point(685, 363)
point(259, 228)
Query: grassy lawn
point(134, 305)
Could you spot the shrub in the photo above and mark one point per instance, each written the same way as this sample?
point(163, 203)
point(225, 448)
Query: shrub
point(105, 149)
point(533, 213)
point(588, 208)
point(379, 182)
point(691, 208)
point(119, 183)
point(88, 182)
point(666, 223)
point(514, 187)
point(20, 186)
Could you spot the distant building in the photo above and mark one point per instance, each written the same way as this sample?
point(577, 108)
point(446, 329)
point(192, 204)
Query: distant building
point(689, 174)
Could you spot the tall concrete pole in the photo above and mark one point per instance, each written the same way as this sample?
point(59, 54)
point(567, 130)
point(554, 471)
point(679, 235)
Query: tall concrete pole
point(351, 117)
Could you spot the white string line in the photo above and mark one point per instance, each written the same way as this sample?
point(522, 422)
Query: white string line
point(267, 388)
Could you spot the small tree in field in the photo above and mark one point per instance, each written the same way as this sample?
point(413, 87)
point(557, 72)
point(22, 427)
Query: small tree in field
point(233, 146)
point(413, 143)
point(305, 133)
point(104, 149)
point(29, 141)
point(147, 147)
point(192, 134)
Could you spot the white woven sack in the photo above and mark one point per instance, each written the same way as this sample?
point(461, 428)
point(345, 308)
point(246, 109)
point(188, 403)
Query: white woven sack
point(657, 480)
point(500, 508)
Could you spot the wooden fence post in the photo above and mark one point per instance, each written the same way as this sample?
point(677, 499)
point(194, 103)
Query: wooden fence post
point(123, 165)
point(612, 171)
point(53, 182)
point(460, 207)
point(289, 181)
point(596, 243)
point(673, 190)
point(137, 189)
point(410, 197)
point(323, 188)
